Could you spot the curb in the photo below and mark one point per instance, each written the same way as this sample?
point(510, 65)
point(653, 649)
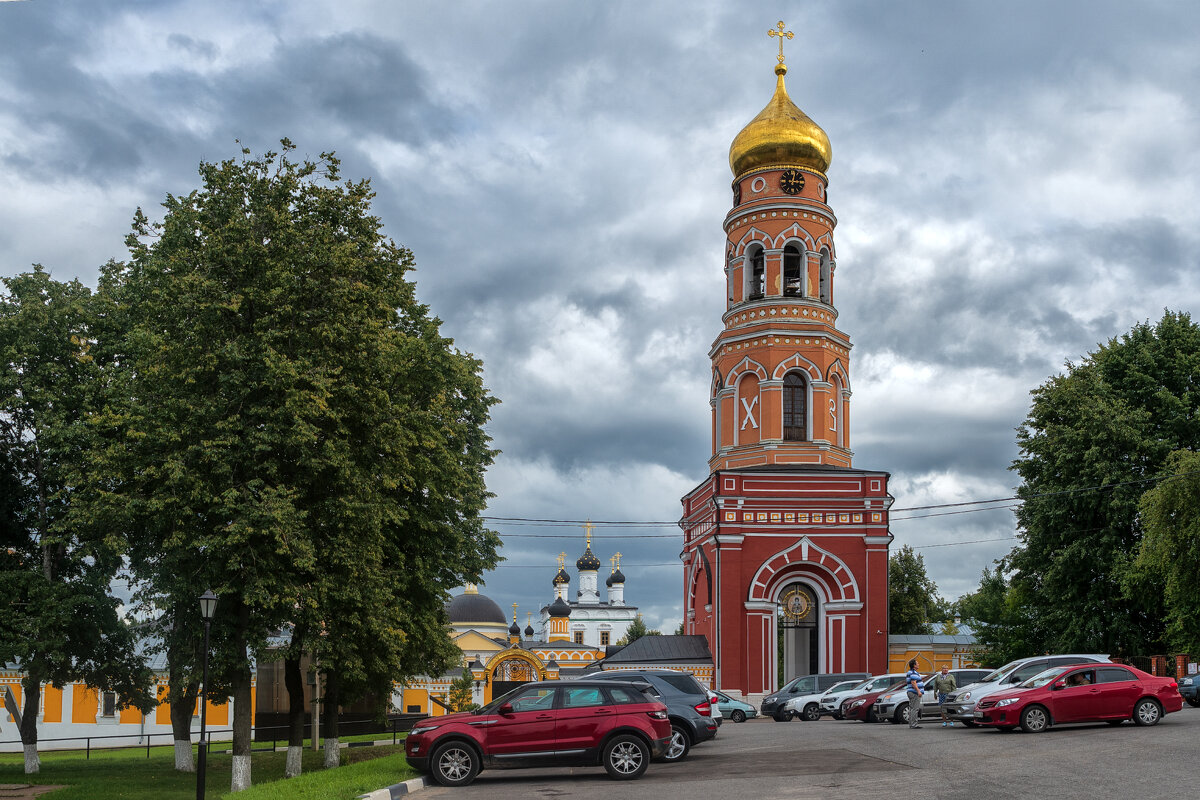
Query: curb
point(395, 790)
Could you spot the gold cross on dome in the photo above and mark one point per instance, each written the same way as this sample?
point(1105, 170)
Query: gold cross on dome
point(615, 561)
point(782, 34)
point(562, 560)
point(588, 527)
point(514, 613)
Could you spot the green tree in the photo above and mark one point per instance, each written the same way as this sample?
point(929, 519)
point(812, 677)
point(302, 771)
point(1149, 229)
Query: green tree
point(636, 630)
point(913, 600)
point(61, 623)
point(995, 614)
point(298, 435)
point(1169, 553)
point(460, 692)
point(1095, 438)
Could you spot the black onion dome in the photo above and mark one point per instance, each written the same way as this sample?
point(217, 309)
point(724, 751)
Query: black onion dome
point(529, 631)
point(588, 561)
point(559, 609)
point(474, 607)
point(608, 582)
point(514, 629)
point(616, 577)
point(561, 577)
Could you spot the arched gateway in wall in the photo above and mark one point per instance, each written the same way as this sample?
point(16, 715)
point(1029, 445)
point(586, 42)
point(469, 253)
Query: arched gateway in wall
point(786, 542)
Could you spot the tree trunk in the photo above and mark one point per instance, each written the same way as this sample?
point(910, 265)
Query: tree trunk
point(294, 680)
point(333, 753)
point(182, 700)
point(32, 685)
point(242, 711)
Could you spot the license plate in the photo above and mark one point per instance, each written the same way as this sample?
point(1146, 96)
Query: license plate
point(978, 715)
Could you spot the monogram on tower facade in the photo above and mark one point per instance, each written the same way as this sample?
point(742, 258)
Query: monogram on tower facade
point(786, 542)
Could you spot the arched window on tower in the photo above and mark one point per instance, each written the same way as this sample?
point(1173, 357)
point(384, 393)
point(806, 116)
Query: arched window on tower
point(826, 286)
point(795, 408)
point(757, 276)
point(793, 271)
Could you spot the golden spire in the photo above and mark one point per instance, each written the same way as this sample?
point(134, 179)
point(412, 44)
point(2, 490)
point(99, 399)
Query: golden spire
point(528, 617)
point(782, 34)
point(562, 560)
point(588, 527)
point(781, 135)
point(514, 613)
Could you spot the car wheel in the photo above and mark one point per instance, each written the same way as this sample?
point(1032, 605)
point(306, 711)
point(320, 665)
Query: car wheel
point(1147, 712)
point(782, 716)
point(871, 717)
point(454, 764)
point(900, 717)
point(1194, 702)
point(812, 713)
point(680, 744)
point(626, 757)
point(967, 723)
point(1035, 719)
point(738, 715)
point(837, 715)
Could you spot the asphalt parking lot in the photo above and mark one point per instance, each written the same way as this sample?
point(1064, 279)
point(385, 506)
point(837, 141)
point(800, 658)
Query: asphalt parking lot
point(765, 759)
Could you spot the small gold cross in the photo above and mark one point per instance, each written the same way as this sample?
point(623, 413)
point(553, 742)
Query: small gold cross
point(562, 560)
point(588, 527)
point(514, 613)
point(782, 34)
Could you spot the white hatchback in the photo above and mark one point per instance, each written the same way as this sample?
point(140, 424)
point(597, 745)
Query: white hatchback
point(808, 707)
point(831, 704)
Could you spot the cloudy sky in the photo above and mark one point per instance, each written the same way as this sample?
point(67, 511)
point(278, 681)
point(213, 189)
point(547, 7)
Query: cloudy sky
point(1014, 182)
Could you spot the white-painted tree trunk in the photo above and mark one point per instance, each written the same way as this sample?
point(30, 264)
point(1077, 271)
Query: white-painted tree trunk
point(32, 762)
point(333, 753)
point(183, 756)
point(239, 779)
point(293, 766)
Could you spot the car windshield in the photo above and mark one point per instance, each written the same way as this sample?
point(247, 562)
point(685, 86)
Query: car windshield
point(1042, 678)
point(841, 687)
point(997, 674)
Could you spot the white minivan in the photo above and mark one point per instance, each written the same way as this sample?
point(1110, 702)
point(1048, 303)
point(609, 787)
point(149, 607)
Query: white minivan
point(960, 706)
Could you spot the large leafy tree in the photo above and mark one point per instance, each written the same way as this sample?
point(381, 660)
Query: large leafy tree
point(1095, 439)
point(296, 435)
point(1169, 554)
point(913, 601)
point(61, 623)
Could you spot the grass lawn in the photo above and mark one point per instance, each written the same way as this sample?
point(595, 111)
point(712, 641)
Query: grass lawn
point(122, 774)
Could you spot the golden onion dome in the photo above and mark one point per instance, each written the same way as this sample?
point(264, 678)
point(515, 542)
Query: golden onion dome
point(780, 136)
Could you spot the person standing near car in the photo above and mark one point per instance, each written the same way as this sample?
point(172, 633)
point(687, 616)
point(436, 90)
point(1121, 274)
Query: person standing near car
point(913, 679)
point(943, 684)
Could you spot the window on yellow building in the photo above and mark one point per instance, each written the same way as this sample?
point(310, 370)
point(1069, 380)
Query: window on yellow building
point(108, 706)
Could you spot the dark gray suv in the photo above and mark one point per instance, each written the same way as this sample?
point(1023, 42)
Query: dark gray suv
point(687, 703)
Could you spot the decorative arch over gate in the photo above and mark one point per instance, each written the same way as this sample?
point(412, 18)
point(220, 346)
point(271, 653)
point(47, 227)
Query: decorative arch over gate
point(830, 574)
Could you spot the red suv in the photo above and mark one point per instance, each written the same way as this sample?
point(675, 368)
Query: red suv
point(546, 724)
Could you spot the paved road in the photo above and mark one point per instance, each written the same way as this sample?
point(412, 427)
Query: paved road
point(763, 759)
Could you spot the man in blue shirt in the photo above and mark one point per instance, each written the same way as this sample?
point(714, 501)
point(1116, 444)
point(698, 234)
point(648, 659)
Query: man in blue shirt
point(915, 690)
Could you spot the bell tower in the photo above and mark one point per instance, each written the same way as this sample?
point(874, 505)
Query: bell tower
point(784, 520)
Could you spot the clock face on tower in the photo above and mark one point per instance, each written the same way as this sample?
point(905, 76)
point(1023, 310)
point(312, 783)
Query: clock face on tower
point(791, 181)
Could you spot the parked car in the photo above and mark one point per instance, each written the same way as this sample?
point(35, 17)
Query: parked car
point(1189, 689)
point(831, 703)
point(893, 706)
point(618, 725)
point(808, 706)
point(862, 707)
point(1111, 693)
point(732, 709)
point(689, 706)
point(772, 704)
point(960, 705)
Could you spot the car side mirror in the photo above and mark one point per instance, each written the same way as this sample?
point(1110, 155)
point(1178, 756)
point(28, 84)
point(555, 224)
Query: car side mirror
point(505, 709)
point(1057, 685)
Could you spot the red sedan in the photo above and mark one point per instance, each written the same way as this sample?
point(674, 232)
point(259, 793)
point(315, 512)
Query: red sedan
point(859, 706)
point(1110, 693)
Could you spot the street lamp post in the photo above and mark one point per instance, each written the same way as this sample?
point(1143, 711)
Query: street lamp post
point(208, 604)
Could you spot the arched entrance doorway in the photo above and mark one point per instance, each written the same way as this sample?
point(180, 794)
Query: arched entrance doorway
point(509, 669)
point(797, 626)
